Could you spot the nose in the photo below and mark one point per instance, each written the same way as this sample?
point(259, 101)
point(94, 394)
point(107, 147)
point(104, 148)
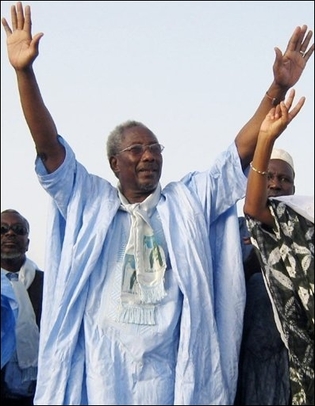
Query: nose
point(274, 183)
point(147, 153)
point(10, 231)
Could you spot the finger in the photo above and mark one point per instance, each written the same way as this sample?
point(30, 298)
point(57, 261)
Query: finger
point(295, 40)
point(301, 37)
point(270, 116)
point(277, 112)
point(290, 98)
point(20, 16)
point(284, 111)
point(28, 20)
point(309, 53)
point(278, 58)
point(13, 18)
point(35, 41)
point(305, 41)
point(6, 27)
point(296, 109)
point(278, 53)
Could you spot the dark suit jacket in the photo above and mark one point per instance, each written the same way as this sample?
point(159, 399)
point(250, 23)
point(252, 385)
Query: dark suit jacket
point(35, 292)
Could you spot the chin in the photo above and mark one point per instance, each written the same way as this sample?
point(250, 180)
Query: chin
point(10, 255)
point(148, 187)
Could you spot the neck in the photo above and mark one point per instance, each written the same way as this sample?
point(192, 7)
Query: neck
point(12, 264)
point(136, 196)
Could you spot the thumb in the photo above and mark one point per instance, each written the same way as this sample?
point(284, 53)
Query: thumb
point(278, 53)
point(35, 41)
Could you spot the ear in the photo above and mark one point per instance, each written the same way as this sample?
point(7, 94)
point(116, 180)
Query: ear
point(113, 162)
point(27, 245)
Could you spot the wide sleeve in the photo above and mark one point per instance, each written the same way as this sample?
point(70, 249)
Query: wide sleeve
point(220, 187)
point(9, 313)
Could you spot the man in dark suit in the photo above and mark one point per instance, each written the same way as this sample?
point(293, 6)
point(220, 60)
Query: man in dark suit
point(18, 375)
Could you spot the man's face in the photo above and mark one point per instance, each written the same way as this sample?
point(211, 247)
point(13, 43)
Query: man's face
point(138, 172)
point(14, 241)
point(280, 178)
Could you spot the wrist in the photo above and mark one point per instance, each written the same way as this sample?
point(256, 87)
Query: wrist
point(276, 93)
point(257, 170)
point(274, 100)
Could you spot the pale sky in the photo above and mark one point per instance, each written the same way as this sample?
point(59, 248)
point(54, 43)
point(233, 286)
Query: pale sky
point(192, 71)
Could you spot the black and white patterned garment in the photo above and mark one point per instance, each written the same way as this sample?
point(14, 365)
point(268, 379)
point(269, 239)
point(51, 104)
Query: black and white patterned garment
point(287, 259)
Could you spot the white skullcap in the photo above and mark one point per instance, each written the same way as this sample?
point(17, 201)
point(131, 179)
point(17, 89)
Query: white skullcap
point(278, 153)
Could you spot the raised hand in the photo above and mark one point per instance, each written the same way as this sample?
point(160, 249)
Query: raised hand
point(279, 117)
point(22, 47)
point(288, 67)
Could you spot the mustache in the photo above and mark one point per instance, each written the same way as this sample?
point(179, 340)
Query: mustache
point(149, 167)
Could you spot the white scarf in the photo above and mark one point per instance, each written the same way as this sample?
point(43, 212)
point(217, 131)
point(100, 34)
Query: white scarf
point(144, 264)
point(303, 205)
point(26, 330)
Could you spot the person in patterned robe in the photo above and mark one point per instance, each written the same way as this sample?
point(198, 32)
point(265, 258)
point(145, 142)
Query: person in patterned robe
point(282, 231)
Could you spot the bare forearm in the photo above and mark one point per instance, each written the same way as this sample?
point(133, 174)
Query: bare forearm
point(246, 139)
point(275, 122)
point(256, 194)
point(287, 70)
point(39, 120)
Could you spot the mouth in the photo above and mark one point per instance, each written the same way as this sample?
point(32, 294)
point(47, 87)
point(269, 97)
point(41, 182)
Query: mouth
point(148, 169)
point(148, 172)
point(8, 244)
point(274, 194)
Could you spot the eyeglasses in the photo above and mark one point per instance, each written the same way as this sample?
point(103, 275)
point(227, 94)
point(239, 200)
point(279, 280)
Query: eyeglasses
point(139, 149)
point(16, 228)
